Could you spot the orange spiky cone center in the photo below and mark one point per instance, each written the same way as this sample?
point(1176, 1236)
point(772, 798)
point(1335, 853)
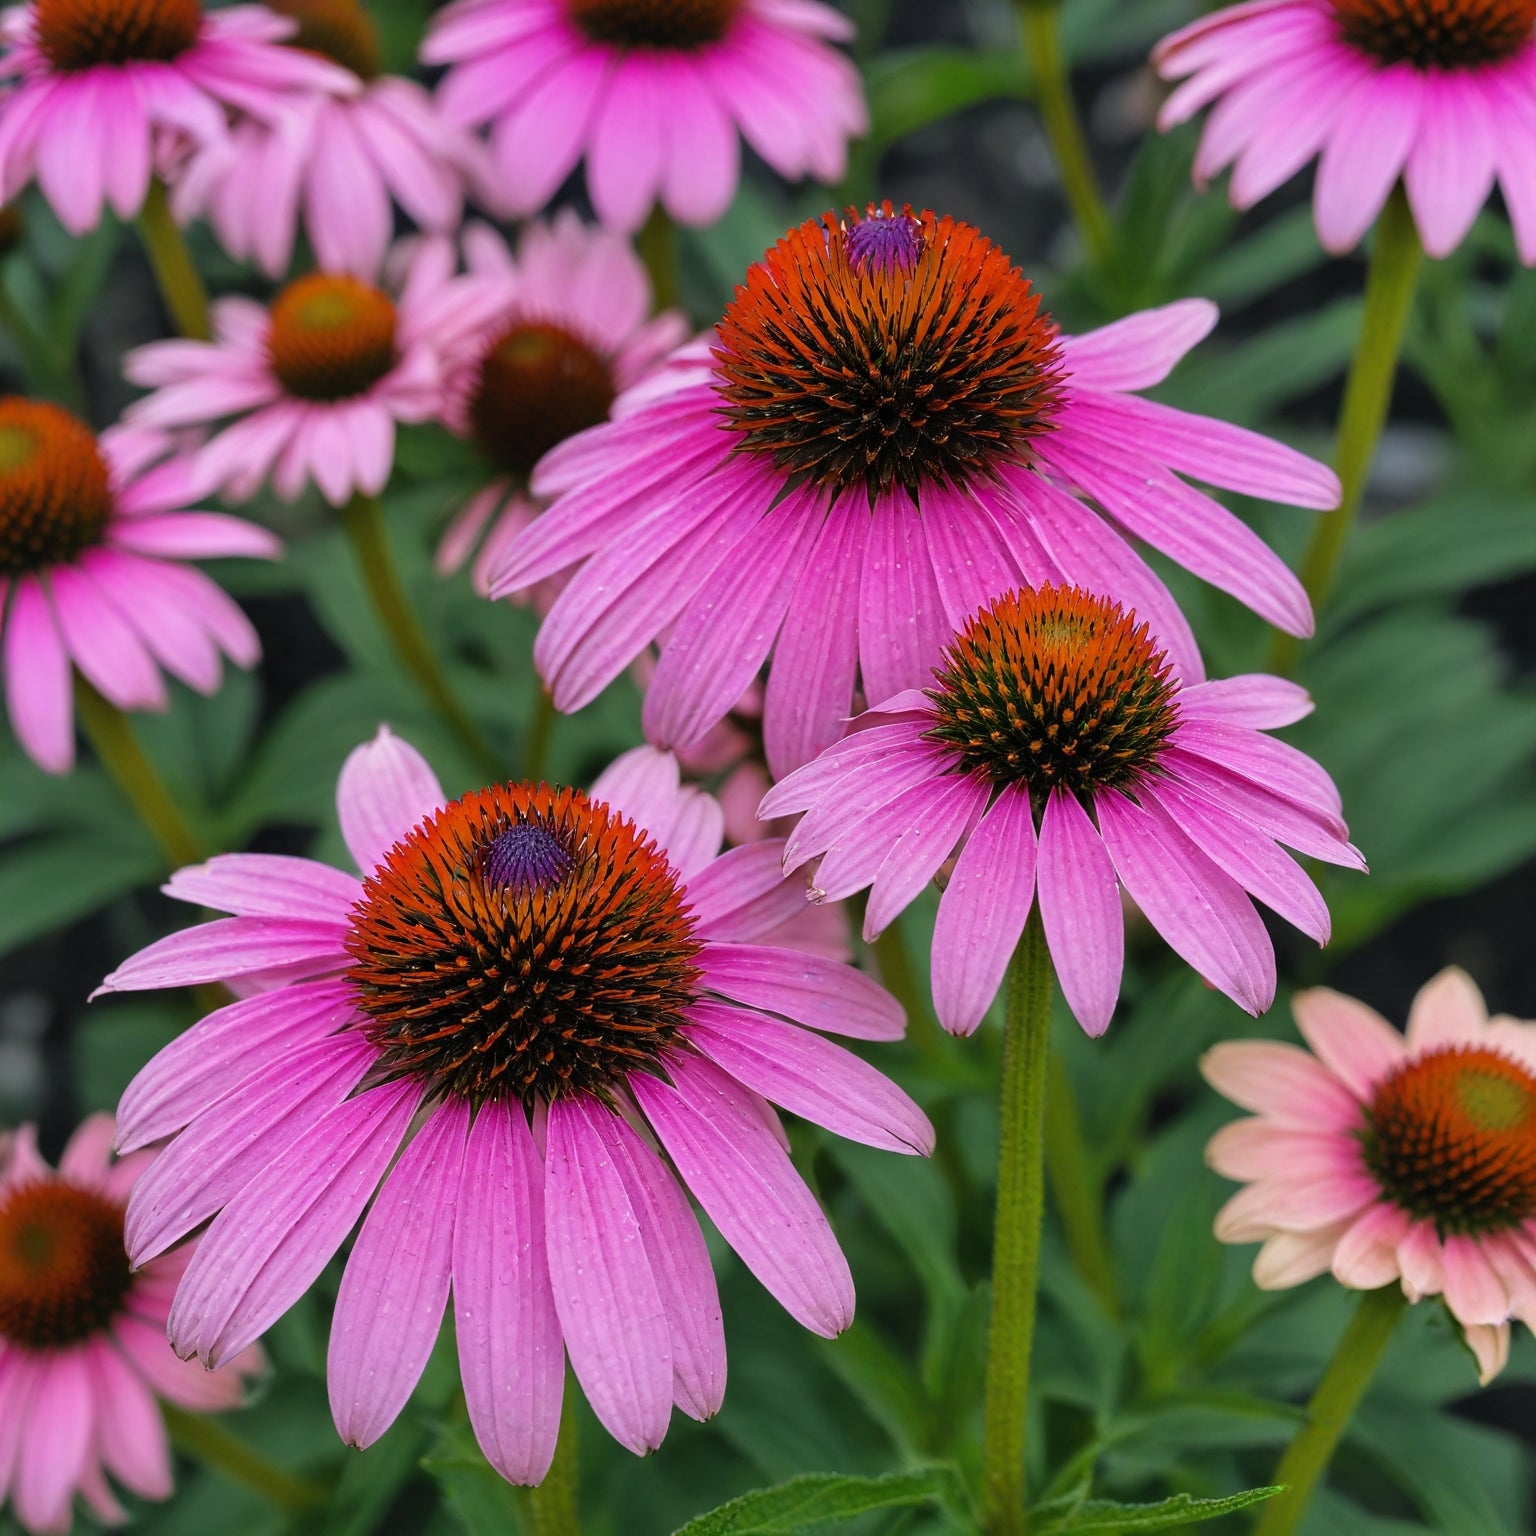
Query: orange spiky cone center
point(55, 488)
point(332, 336)
point(1437, 34)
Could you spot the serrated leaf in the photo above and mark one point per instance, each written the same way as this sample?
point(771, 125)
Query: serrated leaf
point(822, 1498)
point(1183, 1509)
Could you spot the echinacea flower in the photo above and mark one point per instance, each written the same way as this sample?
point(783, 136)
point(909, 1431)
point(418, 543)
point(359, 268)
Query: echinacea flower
point(106, 87)
point(1389, 1158)
point(83, 1354)
point(93, 533)
point(1439, 93)
point(653, 93)
point(573, 330)
point(344, 161)
point(887, 432)
point(560, 992)
point(312, 386)
point(1057, 750)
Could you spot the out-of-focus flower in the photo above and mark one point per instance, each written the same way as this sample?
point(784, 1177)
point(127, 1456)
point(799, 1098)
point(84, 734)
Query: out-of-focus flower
point(93, 533)
point(105, 89)
point(885, 431)
point(1384, 1158)
point(548, 986)
point(653, 93)
point(572, 331)
point(343, 160)
point(83, 1354)
point(1441, 93)
point(1058, 748)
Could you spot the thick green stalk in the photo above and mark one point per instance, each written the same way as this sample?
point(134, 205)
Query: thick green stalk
point(552, 1506)
point(180, 285)
point(110, 734)
point(1076, 1187)
point(1389, 290)
point(1338, 1394)
point(364, 522)
point(1016, 1232)
point(657, 245)
point(1040, 23)
point(205, 1440)
point(541, 732)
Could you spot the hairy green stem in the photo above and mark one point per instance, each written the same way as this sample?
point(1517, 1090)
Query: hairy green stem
point(657, 245)
point(552, 1506)
point(1389, 290)
point(206, 1440)
point(1349, 1373)
point(180, 285)
point(1076, 1187)
point(1016, 1232)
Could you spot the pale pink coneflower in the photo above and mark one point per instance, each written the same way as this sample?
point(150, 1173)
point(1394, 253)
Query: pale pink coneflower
point(654, 94)
point(558, 1010)
point(83, 1353)
point(94, 533)
point(572, 330)
point(106, 89)
point(1390, 1159)
point(1439, 93)
point(885, 431)
point(1058, 752)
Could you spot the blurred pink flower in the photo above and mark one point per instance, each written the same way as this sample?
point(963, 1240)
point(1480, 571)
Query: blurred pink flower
point(1058, 749)
point(1440, 94)
point(92, 535)
point(1389, 1159)
point(572, 329)
point(83, 1354)
point(885, 431)
point(653, 93)
point(105, 89)
point(652, 1015)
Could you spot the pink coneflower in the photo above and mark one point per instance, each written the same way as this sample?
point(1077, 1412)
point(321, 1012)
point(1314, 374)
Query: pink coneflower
point(83, 1354)
point(573, 330)
point(92, 535)
point(1439, 92)
point(343, 160)
point(559, 998)
point(105, 86)
point(1385, 1158)
point(890, 432)
point(311, 387)
point(1057, 749)
point(653, 93)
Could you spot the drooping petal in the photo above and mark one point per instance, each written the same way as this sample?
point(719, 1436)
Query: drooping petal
point(1080, 909)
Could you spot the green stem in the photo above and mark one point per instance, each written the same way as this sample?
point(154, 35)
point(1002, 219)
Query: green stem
point(1016, 1232)
point(110, 734)
point(1040, 22)
point(363, 519)
point(1349, 1373)
point(552, 1506)
point(180, 285)
point(540, 733)
point(203, 1439)
point(1389, 290)
point(657, 245)
point(1076, 1187)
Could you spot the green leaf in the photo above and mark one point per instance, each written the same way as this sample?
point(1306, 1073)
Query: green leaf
point(823, 1497)
point(51, 881)
point(1111, 1518)
point(484, 1502)
point(910, 88)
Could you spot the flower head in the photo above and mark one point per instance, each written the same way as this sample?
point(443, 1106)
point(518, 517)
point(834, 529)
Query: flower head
point(887, 432)
point(1386, 1158)
point(1057, 751)
point(571, 331)
point(1441, 93)
point(652, 92)
point(93, 531)
point(106, 89)
point(83, 1354)
point(581, 1007)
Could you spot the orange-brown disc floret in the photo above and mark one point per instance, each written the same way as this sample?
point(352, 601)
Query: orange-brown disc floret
point(538, 385)
point(523, 943)
point(1437, 34)
point(894, 350)
point(332, 336)
point(339, 30)
point(78, 34)
point(676, 24)
point(63, 1271)
point(55, 490)
point(1451, 1137)
point(1054, 687)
